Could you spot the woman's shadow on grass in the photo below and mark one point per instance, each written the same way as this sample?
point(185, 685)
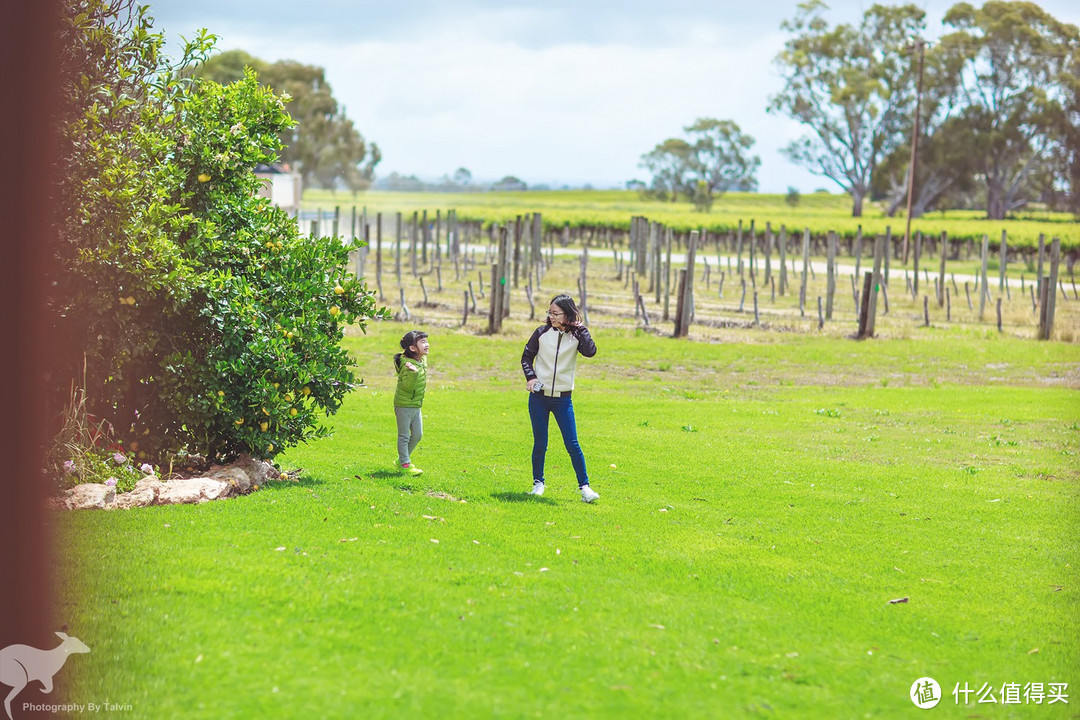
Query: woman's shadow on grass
point(522, 497)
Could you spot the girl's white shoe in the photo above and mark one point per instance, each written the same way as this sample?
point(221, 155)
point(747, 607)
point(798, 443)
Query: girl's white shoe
point(588, 494)
point(538, 488)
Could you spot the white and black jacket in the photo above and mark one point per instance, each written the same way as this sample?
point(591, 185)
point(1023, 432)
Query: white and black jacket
point(551, 356)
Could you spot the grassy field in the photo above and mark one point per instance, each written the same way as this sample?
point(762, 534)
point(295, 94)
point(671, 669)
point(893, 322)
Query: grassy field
point(821, 212)
point(762, 501)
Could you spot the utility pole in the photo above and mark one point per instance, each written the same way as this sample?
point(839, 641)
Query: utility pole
point(920, 45)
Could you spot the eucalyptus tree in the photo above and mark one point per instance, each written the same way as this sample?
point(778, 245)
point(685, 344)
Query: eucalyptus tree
point(1013, 88)
point(851, 87)
point(669, 163)
point(720, 160)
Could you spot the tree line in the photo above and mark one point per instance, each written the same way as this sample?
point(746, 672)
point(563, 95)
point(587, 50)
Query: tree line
point(998, 112)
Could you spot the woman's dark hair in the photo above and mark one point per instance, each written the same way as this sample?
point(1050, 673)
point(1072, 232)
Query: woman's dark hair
point(566, 304)
point(411, 338)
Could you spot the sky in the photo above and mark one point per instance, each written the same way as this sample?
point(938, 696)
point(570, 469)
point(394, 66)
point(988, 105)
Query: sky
point(555, 92)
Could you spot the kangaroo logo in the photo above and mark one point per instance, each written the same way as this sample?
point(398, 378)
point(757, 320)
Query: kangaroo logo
point(21, 664)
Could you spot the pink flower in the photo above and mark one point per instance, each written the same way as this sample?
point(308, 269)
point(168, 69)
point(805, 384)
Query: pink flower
point(146, 469)
point(119, 458)
point(111, 482)
point(69, 466)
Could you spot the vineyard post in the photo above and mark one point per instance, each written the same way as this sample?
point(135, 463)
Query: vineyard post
point(783, 260)
point(1050, 289)
point(667, 273)
point(1004, 258)
point(865, 306)
point(493, 302)
point(941, 272)
point(888, 251)
point(915, 266)
point(858, 249)
point(982, 276)
point(679, 302)
point(738, 252)
point(456, 233)
point(526, 246)
point(362, 253)
point(686, 302)
point(424, 235)
point(651, 265)
point(658, 265)
point(503, 288)
point(768, 251)
point(1043, 302)
point(830, 283)
point(1039, 268)
point(753, 242)
point(805, 269)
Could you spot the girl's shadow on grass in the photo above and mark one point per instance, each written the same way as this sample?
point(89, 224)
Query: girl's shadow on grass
point(303, 481)
point(522, 497)
point(385, 474)
point(398, 480)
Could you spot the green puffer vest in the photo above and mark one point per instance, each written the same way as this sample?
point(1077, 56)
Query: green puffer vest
point(410, 385)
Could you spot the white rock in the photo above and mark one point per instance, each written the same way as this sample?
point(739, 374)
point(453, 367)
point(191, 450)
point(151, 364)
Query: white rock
point(236, 478)
point(243, 474)
point(90, 496)
point(145, 493)
point(222, 481)
point(192, 490)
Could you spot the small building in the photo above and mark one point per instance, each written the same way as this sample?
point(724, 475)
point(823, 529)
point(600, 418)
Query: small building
point(282, 186)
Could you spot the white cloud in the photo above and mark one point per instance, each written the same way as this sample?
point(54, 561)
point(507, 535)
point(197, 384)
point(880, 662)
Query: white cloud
point(567, 91)
point(572, 112)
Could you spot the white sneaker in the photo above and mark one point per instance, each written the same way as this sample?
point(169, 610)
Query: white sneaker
point(588, 494)
point(538, 488)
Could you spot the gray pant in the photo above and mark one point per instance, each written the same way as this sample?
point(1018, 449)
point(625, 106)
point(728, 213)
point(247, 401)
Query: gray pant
point(410, 428)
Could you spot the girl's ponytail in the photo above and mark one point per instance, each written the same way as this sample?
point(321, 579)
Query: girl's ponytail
point(411, 338)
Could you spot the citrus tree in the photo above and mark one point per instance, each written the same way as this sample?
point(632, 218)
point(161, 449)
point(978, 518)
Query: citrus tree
point(196, 317)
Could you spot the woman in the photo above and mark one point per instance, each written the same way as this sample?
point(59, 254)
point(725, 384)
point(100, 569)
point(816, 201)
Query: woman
point(549, 361)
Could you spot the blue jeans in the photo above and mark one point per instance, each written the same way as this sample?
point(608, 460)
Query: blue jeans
point(563, 410)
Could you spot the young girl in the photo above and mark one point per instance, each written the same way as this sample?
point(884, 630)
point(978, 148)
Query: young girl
point(550, 359)
point(411, 366)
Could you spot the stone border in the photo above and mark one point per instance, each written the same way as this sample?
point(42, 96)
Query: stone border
point(219, 482)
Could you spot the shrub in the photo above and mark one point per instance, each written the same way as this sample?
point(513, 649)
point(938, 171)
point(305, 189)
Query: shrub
point(197, 317)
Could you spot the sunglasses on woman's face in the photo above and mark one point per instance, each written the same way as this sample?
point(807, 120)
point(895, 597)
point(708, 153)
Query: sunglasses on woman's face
point(555, 314)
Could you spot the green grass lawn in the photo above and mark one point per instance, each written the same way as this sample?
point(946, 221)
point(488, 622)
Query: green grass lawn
point(761, 502)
